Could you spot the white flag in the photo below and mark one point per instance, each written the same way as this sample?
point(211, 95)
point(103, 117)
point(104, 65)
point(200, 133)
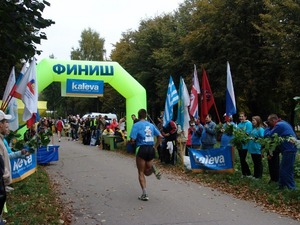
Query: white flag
point(12, 107)
point(29, 93)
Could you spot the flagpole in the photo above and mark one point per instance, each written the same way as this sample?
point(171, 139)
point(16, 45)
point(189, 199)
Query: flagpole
point(217, 112)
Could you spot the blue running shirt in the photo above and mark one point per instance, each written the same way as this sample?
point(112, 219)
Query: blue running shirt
point(143, 133)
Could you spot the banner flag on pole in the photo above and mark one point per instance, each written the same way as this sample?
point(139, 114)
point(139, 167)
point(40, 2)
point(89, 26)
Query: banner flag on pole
point(12, 107)
point(194, 95)
point(17, 83)
point(27, 89)
point(230, 97)
point(183, 116)
point(207, 98)
point(171, 99)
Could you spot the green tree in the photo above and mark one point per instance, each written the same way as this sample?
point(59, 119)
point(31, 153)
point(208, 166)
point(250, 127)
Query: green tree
point(21, 23)
point(152, 55)
point(280, 28)
point(91, 47)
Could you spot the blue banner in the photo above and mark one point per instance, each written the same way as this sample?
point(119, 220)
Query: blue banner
point(84, 87)
point(47, 154)
point(22, 167)
point(217, 159)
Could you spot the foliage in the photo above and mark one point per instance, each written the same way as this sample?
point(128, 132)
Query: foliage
point(39, 139)
point(268, 144)
point(91, 47)
point(21, 23)
point(240, 137)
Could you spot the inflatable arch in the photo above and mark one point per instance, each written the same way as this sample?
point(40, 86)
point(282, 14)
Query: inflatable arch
point(53, 70)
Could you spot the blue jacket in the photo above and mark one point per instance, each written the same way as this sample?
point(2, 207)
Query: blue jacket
point(283, 129)
point(196, 135)
point(209, 135)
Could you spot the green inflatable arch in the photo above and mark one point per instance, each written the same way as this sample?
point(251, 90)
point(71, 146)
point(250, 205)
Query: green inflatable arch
point(53, 70)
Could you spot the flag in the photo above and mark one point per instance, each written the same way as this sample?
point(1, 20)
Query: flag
point(28, 90)
point(183, 116)
point(12, 107)
point(8, 95)
point(171, 100)
point(230, 98)
point(20, 85)
point(194, 95)
point(207, 98)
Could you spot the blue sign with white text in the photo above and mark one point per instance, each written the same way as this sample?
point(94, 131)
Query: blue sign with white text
point(211, 159)
point(22, 167)
point(84, 87)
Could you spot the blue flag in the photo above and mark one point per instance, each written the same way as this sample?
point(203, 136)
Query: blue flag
point(183, 116)
point(171, 100)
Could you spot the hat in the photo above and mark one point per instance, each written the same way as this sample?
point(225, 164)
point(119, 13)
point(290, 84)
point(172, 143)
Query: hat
point(4, 116)
point(229, 116)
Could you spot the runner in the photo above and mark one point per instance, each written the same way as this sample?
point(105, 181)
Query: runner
point(143, 133)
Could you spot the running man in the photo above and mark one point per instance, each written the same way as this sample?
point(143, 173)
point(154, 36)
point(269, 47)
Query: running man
point(143, 133)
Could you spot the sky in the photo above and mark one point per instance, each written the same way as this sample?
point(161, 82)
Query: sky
point(109, 18)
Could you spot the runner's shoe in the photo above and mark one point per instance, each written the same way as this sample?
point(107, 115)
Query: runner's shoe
point(156, 172)
point(144, 197)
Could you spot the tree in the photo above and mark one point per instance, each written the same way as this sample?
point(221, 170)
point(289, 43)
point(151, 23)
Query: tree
point(280, 28)
point(21, 23)
point(91, 47)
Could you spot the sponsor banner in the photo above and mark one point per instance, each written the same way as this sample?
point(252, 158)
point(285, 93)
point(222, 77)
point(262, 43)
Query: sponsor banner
point(47, 154)
point(217, 159)
point(82, 88)
point(22, 167)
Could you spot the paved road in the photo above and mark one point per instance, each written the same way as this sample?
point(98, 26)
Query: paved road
point(102, 188)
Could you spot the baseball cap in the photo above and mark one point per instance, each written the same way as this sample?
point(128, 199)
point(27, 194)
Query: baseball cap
point(4, 116)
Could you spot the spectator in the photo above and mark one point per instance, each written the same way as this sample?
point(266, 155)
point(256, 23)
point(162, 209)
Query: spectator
point(196, 134)
point(120, 137)
point(254, 147)
point(113, 124)
point(287, 149)
point(169, 145)
point(106, 131)
point(227, 131)
point(209, 136)
point(189, 137)
point(246, 126)
point(122, 124)
point(133, 117)
point(29, 133)
point(5, 167)
point(67, 128)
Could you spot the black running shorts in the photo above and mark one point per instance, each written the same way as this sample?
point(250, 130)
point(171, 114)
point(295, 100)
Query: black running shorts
point(146, 152)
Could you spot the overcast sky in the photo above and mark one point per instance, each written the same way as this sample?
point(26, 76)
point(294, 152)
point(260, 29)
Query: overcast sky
point(110, 18)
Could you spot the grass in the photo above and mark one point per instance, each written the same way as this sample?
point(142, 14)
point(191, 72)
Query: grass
point(36, 202)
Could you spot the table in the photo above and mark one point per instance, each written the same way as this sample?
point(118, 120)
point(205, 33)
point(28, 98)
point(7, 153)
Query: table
point(110, 140)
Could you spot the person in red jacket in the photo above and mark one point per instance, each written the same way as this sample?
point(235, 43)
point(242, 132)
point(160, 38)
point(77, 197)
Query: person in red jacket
point(59, 126)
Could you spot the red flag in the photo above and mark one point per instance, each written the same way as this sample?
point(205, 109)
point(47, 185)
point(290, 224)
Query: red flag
point(207, 98)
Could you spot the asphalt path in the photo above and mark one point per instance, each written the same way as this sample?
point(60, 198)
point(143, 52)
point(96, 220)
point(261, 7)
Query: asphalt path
point(102, 187)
